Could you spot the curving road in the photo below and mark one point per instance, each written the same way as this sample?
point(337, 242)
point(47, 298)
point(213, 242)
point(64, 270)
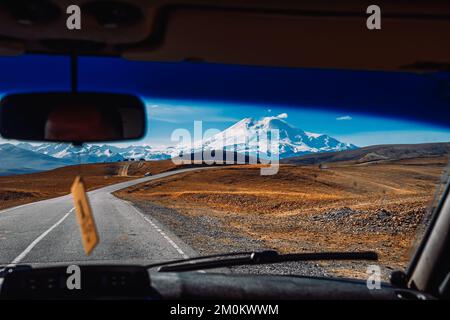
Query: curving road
point(46, 232)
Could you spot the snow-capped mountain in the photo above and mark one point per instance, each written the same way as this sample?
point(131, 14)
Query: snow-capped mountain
point(85, 154)
point(243, 137)
point(98, 153)
point(145, 152)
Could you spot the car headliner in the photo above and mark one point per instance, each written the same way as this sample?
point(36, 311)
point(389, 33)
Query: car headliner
point(301, 33)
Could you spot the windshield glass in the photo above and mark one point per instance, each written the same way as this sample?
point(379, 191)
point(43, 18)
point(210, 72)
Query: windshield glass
point(312, 161)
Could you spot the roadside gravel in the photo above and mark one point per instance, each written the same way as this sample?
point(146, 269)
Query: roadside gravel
point(207, 235)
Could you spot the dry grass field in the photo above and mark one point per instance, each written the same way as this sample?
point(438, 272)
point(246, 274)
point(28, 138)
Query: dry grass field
point(25, 188)
point(345, 206)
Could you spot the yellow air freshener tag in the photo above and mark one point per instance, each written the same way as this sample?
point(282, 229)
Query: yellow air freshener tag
point(89, 235)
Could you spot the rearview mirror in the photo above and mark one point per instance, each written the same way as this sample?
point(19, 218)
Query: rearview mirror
point(72, 117)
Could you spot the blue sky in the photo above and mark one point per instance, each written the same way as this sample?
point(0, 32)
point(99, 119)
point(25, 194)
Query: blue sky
point(359, 129)
point(166, 115)
point(361, 107)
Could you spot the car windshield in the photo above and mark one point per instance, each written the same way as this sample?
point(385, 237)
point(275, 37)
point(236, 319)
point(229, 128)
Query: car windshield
point(235, 158)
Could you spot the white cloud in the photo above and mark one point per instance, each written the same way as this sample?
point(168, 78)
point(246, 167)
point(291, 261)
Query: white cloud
point(344, 118)
point(185, 113)
point(282, 116)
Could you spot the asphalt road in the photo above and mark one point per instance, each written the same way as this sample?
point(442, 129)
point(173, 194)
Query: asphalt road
point(46, 232)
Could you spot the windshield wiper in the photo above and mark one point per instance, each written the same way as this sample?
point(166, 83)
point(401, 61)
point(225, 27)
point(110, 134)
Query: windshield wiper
point(254, 258)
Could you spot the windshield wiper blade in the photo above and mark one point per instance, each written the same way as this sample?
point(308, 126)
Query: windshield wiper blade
point(256, 258)
point(218, 255)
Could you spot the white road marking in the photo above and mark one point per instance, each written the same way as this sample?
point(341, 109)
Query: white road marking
point(165, 236)
point(36, 241)
point(172, 243)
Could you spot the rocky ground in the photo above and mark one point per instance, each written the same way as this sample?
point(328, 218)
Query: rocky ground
point(355, 221)
point(382, 208)
point(208, 235)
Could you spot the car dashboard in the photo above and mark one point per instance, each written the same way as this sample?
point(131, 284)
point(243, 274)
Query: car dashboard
point(137, 283)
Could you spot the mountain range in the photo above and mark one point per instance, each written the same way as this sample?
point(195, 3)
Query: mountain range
point(27, 157)
point(90, 153)
point(15, 160)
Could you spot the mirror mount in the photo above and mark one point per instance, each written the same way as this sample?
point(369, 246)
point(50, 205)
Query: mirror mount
point(74, 72)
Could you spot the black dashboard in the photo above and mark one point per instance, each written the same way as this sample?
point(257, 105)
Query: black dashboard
point(136, 282)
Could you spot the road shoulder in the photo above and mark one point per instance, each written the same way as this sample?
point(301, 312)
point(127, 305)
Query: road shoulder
point(207, 235)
